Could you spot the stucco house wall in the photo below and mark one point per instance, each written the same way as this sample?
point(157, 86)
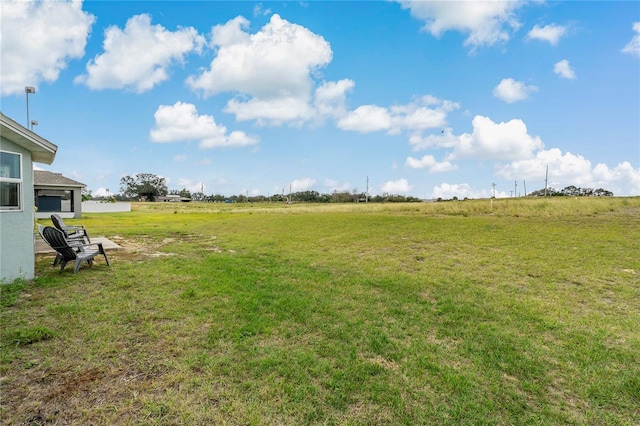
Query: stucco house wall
point(17, 259)
point(16, 252)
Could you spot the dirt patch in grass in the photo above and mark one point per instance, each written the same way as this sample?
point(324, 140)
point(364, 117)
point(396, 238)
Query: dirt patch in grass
point(144, 247)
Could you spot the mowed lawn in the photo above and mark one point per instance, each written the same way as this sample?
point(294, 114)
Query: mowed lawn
point(515, 311)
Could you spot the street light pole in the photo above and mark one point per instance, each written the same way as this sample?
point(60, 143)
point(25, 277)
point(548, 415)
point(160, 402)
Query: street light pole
point(27, 90)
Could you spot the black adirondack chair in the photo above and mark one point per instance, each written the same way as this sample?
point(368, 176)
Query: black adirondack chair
point(58, 256)
point(76, 233)
point(69, 251)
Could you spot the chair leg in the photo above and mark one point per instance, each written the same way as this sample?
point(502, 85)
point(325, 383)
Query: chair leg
point(77, 265)
point(103, 253)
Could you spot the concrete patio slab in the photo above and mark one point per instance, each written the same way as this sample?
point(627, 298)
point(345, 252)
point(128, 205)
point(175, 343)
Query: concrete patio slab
point(42, 247)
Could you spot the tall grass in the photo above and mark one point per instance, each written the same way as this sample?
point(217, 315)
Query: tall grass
point(526, 207)
point(520, 312)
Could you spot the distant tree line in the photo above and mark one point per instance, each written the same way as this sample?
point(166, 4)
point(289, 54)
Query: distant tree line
point(148, 187)
point(305, 197)
point(572, 191)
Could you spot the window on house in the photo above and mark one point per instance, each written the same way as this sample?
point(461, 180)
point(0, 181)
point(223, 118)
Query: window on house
point(10, 181)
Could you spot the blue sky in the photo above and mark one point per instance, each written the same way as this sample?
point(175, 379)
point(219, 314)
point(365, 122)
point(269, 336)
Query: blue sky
point(429, 99)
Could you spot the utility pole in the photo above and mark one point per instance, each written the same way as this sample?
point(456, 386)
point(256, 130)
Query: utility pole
point(27, 90)
point(516, 189)
point(546, 177)
point(366, 195)
point(525, 187)
point(494, 189)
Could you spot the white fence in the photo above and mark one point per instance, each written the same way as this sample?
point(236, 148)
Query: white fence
point(98, 207)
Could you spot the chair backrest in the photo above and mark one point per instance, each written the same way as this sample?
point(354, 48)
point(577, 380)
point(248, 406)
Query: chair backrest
point(40, 231)
point(55, 238)
point(57, 221)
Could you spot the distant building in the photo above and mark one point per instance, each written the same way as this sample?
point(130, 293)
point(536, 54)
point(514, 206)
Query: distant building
point(172, 198)
point(55, 193)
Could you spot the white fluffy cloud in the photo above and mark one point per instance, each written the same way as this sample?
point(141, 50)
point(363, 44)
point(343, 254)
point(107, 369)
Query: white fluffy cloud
point(564, 70)
point(510, 90)
point(275, 111)
point(445, 139)
point(366, 118)
point(486, 22)
point(633, 47)
point(426, 112)
point(302, 184)
point(519, 156)
point(233, 32)
point(138, 57)
point(271, 70)
point(330, 98)
point(550, 33)
point(430, 163)
point(334, 185)
point(102, 192)
point(181, 122)
point(272, 63)
point(497, 141)
point(400, 186)
point(566, 167)
point(190, 185)
point(570, 169)
point(447, 191)
point(38, 40)
point(623, 179)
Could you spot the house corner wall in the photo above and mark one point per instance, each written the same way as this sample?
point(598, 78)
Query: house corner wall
point(17, 258)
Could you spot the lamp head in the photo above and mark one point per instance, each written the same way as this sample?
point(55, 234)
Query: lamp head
point(29, 89)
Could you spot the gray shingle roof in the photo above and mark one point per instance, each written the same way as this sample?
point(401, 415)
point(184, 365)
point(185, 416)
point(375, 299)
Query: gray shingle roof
point(42, 177)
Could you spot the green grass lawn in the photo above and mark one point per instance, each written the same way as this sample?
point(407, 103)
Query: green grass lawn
point(513, 312)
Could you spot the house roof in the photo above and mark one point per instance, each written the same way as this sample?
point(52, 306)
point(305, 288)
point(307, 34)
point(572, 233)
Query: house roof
point(45, 178)
point(42, 151)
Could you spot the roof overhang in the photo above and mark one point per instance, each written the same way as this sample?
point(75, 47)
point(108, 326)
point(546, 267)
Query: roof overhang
point(42, 151)
point(56, 185)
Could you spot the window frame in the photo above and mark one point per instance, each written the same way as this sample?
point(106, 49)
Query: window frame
point(19, 184)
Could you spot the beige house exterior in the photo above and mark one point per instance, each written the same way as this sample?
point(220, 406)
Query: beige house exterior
point(19, 149)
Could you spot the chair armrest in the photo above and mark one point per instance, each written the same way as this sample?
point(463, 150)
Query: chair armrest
point(83, 246)
point(73, 227)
